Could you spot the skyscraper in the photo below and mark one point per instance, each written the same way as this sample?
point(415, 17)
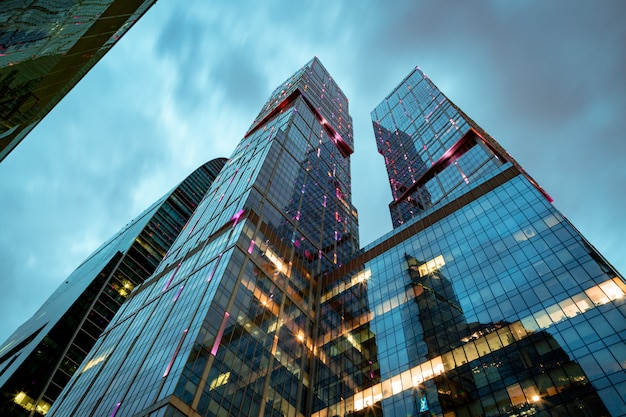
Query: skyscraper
point(227, 322)
point(46, 47)
point(39, 358)
point(483, 300)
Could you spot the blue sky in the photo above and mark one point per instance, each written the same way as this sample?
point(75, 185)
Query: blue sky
point(545, 79)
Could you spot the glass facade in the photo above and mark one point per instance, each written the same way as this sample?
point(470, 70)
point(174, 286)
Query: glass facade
point(226, 324)
point(46, 47)
point(483, 301)
point(37, 361)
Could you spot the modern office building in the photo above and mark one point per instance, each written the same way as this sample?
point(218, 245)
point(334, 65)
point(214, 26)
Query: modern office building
point(37, 361)
point(483, 301)
point(46, 47)
point(226, 324)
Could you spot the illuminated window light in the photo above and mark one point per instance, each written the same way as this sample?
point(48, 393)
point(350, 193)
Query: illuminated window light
point(25, 401)
point(431, 266)
point(396, 387)
point(276, 260)
point(94, 362)
point(221, 379)
point(251, 247)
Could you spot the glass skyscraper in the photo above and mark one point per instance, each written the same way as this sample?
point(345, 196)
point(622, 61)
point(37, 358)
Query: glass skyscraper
point(46, 47)
point(483, 301)
point(37, 361)
point(227, 323)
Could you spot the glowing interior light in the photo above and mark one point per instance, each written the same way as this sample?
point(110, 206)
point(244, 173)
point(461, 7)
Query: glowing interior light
point(117, 407)
point(251, 247)
point(276, 260)
point(535, 398)
point(431, 266)
point(219, 381)
point(220, 333)
point(396, 386)
point(95, 361)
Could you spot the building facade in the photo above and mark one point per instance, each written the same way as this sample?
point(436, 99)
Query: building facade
point(226, 325)
point(483, 301)
point(37, 361)
point(46, 47)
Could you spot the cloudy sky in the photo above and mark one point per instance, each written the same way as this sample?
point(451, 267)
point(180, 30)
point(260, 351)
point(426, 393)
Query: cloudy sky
point(546, 79)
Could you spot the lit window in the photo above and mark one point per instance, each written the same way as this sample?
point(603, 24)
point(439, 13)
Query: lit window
point(431, 266)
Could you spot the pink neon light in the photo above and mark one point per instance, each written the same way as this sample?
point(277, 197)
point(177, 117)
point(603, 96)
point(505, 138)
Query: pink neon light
point(169, 281)
point(235, 219)
point(233, 177)
point(194, 226)
point(324, 202)
point(219, 257)
point(251, 247)
point(220, 333)
point(178, 292)
point(180, 343)
point(117, 407)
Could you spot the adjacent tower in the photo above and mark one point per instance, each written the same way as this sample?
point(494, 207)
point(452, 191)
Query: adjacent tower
point(227, 323)
point(37, 361)
point(46, 47)
point(483, 301)
point(432, 150)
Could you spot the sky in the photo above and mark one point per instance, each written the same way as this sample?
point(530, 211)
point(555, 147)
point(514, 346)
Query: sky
point(544, 78)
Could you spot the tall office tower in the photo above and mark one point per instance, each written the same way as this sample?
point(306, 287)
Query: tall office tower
point(432, 150)
point(226, 324)
point(483, 301)
point(37, 361)
point(46, 47)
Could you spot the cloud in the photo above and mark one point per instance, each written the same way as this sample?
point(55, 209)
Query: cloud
point(183, 85)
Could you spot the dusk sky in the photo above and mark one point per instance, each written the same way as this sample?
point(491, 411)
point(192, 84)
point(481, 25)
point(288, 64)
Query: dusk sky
point(545, 78)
